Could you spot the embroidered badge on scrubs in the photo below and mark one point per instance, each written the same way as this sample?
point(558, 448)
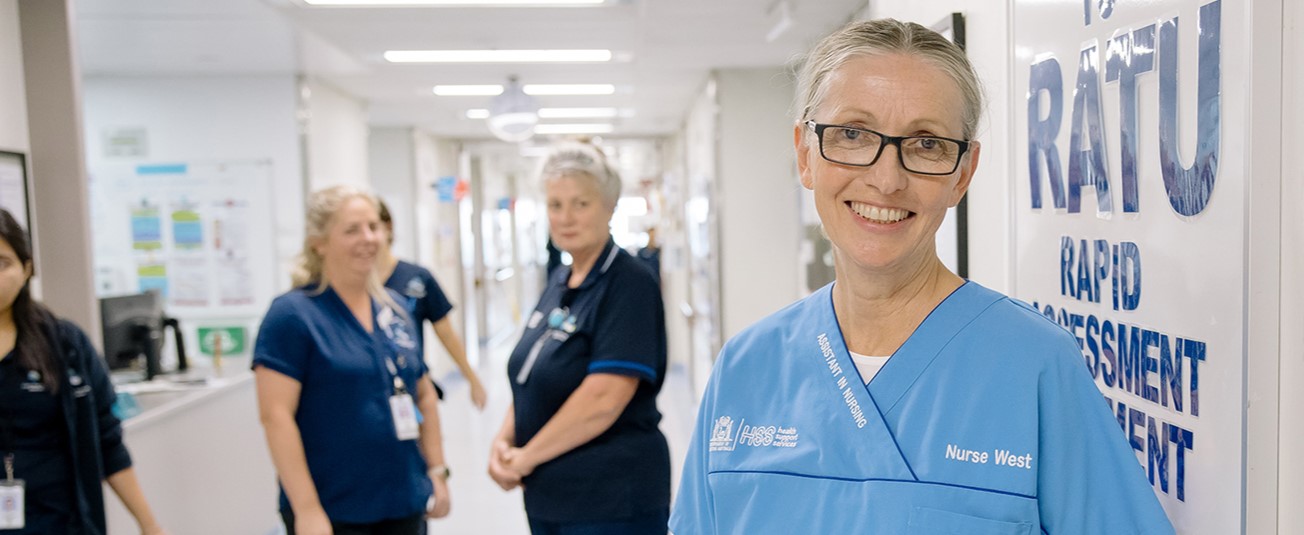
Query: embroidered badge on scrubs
point(562, 320)
point(415, 288)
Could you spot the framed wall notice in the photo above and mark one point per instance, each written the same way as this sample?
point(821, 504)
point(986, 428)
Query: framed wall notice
point(13, 188)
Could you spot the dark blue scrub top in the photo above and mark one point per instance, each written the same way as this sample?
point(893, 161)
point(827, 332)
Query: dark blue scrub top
point(614, 322)
point(33, 428)
point(421, 295)
point(362, 472)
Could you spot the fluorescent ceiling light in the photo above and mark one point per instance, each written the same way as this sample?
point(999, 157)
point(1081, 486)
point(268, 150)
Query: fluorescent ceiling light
point(569, 89)
point(468, 90)
point(378, 3)
point(562, 113)
point(577, 113)
point(496, 56)
point(573, 129)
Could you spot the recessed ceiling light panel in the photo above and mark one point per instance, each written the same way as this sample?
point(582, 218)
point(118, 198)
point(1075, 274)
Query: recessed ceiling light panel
point(497, 56)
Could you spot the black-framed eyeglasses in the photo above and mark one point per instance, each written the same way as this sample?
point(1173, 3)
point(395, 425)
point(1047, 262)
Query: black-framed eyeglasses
point(860, 147)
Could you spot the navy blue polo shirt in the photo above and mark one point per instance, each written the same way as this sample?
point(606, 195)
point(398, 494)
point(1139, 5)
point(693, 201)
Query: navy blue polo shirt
point(33, 428)
point(362, 472)
point(614, 322)
point(421, 295)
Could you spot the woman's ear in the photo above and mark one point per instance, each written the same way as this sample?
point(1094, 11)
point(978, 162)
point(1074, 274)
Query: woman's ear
point(28, 270)
point(803, 155)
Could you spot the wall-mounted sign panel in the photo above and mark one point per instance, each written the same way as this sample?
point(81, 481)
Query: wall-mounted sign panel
point(1131, 132)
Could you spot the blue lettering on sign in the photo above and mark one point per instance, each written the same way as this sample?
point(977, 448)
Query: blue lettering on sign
point(1106, 8)
point(1128, 358)
point(1185, 440)
point(1107, 347)
point(1189, 188)
point(1162, 439)
point(1045, 76)
point(1085, 264)
point(1128, 55)
point(1087, 164)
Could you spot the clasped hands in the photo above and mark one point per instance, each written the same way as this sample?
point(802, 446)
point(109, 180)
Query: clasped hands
point(508, 465)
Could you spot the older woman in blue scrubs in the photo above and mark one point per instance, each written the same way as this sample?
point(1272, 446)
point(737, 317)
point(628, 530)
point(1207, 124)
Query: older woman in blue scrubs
point(581, 436)
point(902, 398)
point(350, 416)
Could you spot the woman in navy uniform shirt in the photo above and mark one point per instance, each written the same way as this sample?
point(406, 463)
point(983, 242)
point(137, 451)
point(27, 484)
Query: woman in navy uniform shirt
point(582, 436)
point(350, 416)
point(425, 301)
point(58, 434)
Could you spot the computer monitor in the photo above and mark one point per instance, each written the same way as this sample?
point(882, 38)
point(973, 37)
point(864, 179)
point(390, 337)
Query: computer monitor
point(133, 330)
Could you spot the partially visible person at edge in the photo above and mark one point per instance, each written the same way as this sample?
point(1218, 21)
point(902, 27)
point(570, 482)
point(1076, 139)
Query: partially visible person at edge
point(350, 415)
point(650, 254)
point(581, 436)
point(902, 398)
point(58, 436)
point(424, 301)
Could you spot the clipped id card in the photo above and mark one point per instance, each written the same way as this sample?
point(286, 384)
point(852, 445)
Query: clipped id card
point(405, 416)
point(11, 504)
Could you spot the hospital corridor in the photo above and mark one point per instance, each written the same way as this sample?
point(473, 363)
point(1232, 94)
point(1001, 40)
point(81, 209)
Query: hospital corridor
point(651, 267)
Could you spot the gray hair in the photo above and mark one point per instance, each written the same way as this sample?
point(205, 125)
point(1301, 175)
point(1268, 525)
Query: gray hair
point(573, 159)
point(887, 36)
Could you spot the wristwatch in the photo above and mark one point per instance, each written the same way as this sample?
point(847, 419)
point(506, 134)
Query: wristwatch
point(440, 470)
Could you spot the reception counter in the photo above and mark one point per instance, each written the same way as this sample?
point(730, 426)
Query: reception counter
point(199, 452)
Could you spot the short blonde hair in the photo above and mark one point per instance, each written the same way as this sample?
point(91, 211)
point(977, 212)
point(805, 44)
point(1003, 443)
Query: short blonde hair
point(887, 36)
point(573, 159)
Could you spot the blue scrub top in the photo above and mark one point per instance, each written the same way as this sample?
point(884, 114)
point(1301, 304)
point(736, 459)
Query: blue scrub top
point(984, 421)
point(614, 322)
point(362, 472)
point(421, 296)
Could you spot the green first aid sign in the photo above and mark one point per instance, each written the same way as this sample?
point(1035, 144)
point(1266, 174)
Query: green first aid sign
point(232, 340)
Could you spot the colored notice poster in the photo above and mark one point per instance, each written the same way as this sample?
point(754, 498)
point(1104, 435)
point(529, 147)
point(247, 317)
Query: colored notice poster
point(187, 227)
point(1131, 130)
point(190, 281)
point(152, 276)
point(146, 227)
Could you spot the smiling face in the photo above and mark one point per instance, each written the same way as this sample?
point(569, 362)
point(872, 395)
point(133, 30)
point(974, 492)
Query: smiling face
point(883, 216)
point(353, 238)
point(578, 219)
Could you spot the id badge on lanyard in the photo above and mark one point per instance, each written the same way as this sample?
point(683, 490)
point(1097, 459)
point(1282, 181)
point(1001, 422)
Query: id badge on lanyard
point(11, 498)
point(407, 419)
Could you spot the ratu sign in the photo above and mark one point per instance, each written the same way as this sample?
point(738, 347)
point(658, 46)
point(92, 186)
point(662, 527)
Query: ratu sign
point(1130, 224)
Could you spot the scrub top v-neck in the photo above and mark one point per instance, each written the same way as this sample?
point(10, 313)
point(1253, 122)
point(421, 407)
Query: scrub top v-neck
point(983, 421)
point(362, 471)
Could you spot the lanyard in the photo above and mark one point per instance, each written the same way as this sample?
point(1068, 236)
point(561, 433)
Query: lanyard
point(399, 386)
point(7, 434)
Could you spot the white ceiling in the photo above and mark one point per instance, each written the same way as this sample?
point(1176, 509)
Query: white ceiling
point(664, 49)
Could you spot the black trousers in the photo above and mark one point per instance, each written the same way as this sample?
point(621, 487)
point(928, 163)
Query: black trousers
point(399, 526)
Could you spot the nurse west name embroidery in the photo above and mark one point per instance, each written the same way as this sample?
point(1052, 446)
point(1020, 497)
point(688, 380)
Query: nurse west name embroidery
point(999, 456)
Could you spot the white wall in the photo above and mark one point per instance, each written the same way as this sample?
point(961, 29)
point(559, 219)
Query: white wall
point(13, 98)
point(337, 137)
point(1291, 469)
point(210, 119)
point(758, 196)
point(391, 156)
